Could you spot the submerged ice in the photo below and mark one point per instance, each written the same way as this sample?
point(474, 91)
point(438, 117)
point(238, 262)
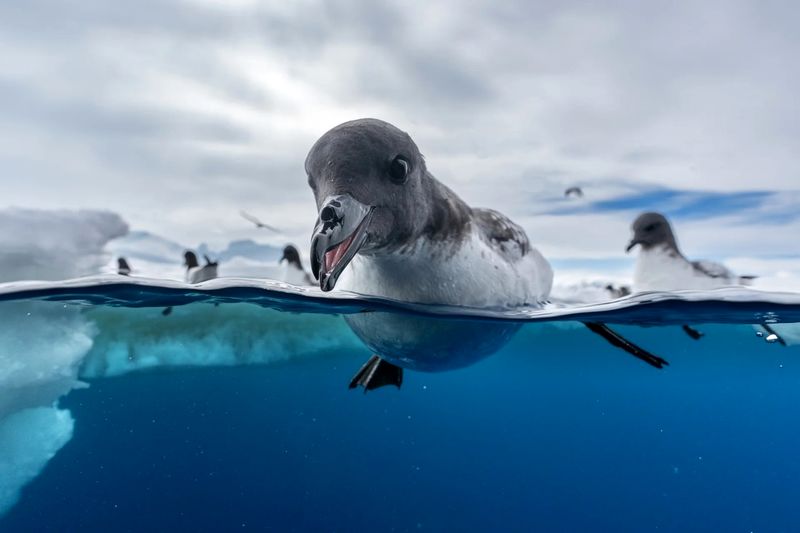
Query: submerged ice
point(28, 439)
point(42, 344)
point(46, 348)
point(49, 348)
point(127, 339)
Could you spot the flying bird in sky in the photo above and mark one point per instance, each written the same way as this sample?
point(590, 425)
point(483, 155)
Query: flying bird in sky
point(575, 192)
point(257, 222)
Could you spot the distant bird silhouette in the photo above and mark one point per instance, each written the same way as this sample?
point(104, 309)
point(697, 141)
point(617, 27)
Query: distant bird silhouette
point(195, 273)
point(294, 272)
point(576, 192)
point(618, 291)
point(247, 216)
point(123, 268)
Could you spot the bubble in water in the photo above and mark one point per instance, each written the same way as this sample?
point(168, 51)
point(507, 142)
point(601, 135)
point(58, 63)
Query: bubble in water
point(759, 334)
point(771, 337)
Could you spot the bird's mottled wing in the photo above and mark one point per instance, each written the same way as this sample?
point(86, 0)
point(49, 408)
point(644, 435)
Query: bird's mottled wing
point(502, 234)
point(712, 270)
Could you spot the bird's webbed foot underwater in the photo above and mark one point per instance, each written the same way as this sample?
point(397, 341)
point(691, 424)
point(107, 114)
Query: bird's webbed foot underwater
point(615, 339)
point(693, 333)
point(771, 331)
point(377, 373)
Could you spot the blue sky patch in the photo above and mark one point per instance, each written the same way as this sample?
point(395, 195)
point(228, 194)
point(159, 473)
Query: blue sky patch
point(690, 204)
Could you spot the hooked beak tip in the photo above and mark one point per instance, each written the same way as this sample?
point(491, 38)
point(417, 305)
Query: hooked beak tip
point(324, 284)
point(631, 245)
point(338, 238)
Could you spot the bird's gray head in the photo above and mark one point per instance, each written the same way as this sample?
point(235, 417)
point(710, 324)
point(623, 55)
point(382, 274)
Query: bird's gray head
point(370, 183)
point(292, 256)
point(651, 230)
point(190, 259)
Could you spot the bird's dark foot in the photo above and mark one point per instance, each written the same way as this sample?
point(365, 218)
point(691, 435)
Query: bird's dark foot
point(376, 373)
point(615, 339)
point(693, 333)
point(167, 311)
point(771, 331)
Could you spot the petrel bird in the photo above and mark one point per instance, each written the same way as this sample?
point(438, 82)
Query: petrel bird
point(195, 272)
point(294, 272)
point(661, 266)
point(386, 227)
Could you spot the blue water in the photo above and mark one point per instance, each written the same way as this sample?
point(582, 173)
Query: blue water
point(557, 431)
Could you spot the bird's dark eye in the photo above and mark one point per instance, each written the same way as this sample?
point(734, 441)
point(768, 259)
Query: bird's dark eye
point(651, 227)
point(399, 169)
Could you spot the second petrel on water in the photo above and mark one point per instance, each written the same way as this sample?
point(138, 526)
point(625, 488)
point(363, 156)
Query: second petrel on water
point(661, 266)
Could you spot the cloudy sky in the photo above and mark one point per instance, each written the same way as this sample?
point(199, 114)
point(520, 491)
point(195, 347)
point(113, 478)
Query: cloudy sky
point(179, 113)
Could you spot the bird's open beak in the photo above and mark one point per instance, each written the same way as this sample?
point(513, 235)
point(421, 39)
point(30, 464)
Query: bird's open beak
point(340, 232)
point(631, 245)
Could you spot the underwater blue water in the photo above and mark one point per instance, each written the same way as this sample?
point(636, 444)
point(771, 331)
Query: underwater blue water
point(557, 431)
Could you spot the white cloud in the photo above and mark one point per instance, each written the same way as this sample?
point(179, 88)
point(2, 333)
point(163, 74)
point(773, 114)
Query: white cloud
point(180, 113)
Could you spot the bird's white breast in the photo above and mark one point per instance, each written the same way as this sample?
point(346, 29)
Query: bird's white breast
point(468, 273)
point(199, 274)
point(660, 269)
point(291, 274)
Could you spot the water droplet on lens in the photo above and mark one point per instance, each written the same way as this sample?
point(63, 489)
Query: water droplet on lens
point(771, 337)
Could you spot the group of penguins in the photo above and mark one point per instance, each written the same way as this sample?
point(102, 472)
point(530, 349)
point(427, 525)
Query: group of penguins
point(293, 271)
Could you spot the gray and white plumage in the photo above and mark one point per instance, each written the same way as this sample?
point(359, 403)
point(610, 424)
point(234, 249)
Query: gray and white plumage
point(293, 271)
point(660, 265)
point(388, 228)
point(423, 242)
point(197, 273)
